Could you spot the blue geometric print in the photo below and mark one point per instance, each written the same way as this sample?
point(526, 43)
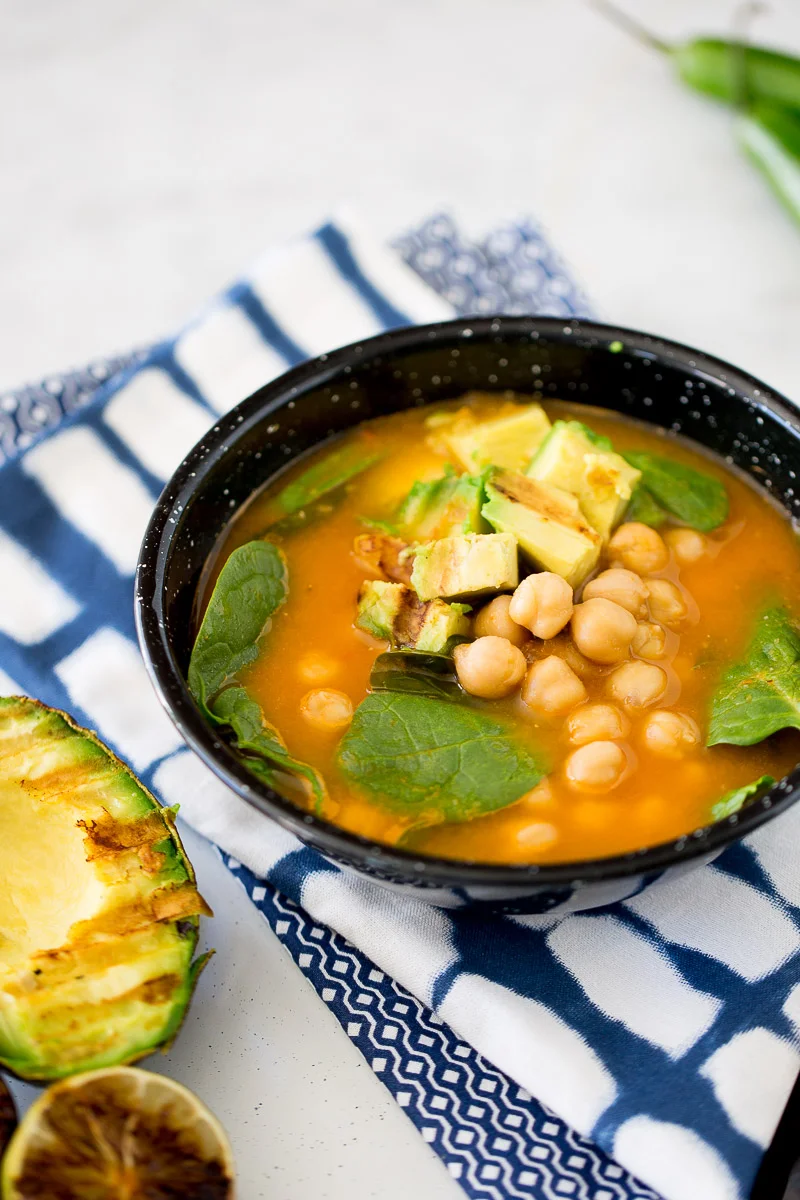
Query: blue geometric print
point(493, 1137)
point(664, 1027)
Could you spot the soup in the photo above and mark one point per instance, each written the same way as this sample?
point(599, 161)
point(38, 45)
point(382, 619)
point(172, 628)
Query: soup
point(507, 632)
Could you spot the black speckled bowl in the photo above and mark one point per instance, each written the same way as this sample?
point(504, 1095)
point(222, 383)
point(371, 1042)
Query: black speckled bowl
point(636, 374)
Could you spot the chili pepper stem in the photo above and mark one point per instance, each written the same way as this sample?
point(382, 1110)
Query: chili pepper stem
point(631, 26)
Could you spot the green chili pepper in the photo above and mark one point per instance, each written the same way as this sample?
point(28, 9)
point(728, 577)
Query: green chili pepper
point(770, 136)
point(763, 85)
point(717, 67)
point(721, 67)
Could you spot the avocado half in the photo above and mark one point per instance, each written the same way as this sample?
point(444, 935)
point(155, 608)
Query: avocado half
point(99, 912)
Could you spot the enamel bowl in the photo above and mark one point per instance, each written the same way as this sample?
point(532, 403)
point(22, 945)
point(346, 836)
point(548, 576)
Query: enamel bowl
point(639, 375)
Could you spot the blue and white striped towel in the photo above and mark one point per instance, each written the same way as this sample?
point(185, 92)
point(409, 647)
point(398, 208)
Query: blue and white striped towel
point(664, 1027)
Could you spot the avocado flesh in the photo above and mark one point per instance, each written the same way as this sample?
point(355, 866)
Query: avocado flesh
point(466, 566)
point(547, 523)
point(378, 606)
point(443, 507)
point(394, 613)
point(576, 460)
point(509, 442)
point(98, 910)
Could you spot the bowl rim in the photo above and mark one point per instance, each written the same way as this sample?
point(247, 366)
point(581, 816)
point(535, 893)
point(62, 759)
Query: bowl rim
point(331, 840)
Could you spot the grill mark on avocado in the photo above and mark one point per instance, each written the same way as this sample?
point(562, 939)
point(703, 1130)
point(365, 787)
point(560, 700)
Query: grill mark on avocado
point(528, 493)
point(410, 618)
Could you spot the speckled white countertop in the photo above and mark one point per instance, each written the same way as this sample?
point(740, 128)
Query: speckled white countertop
point(151, 148)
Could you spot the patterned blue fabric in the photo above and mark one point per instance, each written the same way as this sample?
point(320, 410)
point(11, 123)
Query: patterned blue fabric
point(663, 1028)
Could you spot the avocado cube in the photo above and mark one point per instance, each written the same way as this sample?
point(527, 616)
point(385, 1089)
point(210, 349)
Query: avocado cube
point(429, 625)
point(443, 507)
point(470, 565)
point(576, 460)
point(547, 523)
point(509, 441)
point(378, 606)
point(394, 613)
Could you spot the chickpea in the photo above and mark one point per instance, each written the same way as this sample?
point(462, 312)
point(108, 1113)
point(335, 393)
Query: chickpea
point(327, 710)
point(667, 604)
point(539, 797)
point(489, 667)
point(649, 641)
point(595, 767)
point(639, 548)
point(552, 688)
point(671, 734)
point(637, 684)
point(562, 645)
point(625, 588)
point(317, 667)
point(542, 603)
point(593, 722)
point(603, 630)
point(572, 656)
point(494, 621)
point(687, 545)
point(538, 835)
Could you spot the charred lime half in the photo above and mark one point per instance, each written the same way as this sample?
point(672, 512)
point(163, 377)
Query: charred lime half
point(98, 906)
point(118, 1134)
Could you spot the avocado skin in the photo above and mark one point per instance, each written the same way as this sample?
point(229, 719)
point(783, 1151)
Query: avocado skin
point(120, 985)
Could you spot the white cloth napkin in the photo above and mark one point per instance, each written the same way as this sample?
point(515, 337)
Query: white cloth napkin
point(665, 1026)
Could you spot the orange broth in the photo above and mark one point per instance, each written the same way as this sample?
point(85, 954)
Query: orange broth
point(754, 560)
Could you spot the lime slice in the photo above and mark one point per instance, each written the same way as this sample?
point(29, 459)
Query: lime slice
point(8, 1117)
point(118, 1134)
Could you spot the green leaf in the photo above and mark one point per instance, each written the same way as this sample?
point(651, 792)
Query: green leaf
point(645, 508)
point(336, 469)
point(251, 586)
point(692, 496)
point(259, 742)
point(757, 697)
point(434, 761)
point(411, 671)
point(732, 801)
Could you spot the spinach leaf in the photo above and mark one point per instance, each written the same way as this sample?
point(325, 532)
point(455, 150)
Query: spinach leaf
point(260, 742)
point(732, 801)
point(251, 586)
point(645, 508)
point(692, 496)
point(434, 761)
point(312, 514)
point(415, 672)
point(336, 469)
point(762, 694)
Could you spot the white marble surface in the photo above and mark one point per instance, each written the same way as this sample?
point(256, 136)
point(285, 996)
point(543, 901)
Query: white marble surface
point(151, 148)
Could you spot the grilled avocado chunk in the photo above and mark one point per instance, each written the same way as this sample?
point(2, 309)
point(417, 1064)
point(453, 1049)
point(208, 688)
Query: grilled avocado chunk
point(508, 441)
point(462, 567)
point(393, 611)
point(98, 905)
point(443, 507)
point(547, 523)
point(572, 457)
